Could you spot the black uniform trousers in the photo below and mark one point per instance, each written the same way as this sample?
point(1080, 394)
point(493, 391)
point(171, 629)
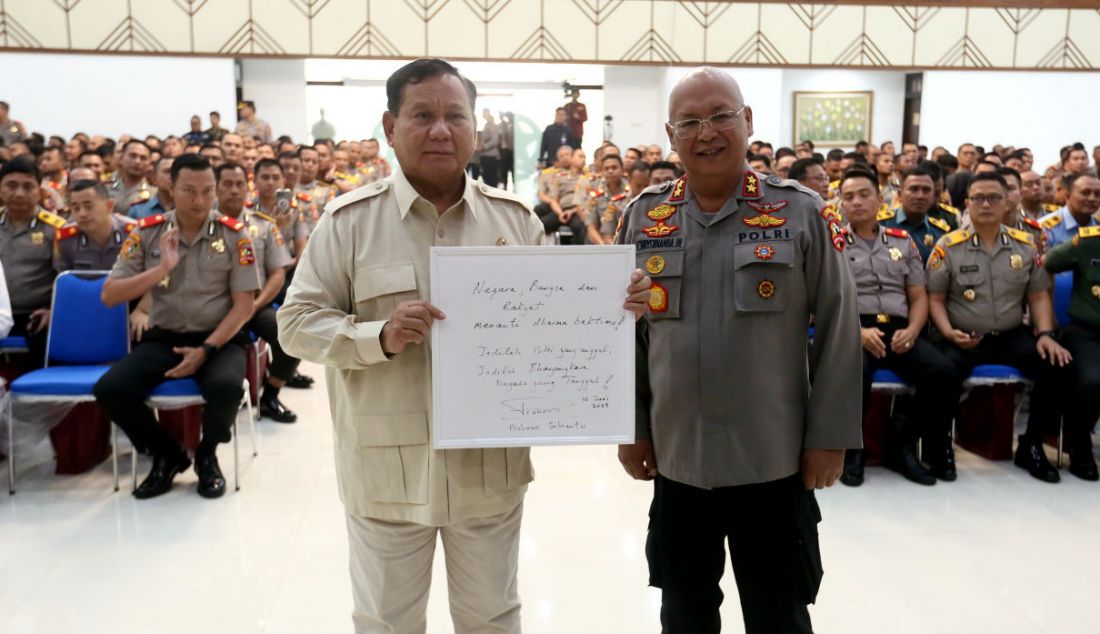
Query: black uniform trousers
point(36, 342)
point(1083, 408)
point(552, 223)
point(772, 533)
point(122, 391)
point(1016, 348)
point(507, 166)
point(935, 379)
point(283, 366)
point(490, 170)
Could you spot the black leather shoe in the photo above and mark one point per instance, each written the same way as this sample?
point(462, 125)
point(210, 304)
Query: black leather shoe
point(1083, 465)
point(905, 462)
point(1031, 457)
point(159, 480)
point(300, 382)
point(274, 409)
point(942, 463)
point(211, 481)
point(854, 461)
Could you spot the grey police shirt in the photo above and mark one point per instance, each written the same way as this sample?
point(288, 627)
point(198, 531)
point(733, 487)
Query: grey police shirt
point(723, 381)
point(986, 291)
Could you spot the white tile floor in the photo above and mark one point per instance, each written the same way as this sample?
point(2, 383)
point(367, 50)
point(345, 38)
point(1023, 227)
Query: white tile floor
point(995, 552)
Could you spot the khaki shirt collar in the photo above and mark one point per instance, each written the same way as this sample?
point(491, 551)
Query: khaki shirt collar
point(407, 196)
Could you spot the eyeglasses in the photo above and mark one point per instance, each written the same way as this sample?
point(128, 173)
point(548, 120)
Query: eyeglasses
point(718, 121)
point(991, 199)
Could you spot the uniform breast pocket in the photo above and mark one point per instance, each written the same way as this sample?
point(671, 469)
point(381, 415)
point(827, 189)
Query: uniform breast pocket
point(970, 279)
point(898, 269)
point(214, 267)
point(762, 276)
point(381, 287)
point(666, 269)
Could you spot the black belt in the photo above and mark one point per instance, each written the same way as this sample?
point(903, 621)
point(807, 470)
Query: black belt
point(882, 319)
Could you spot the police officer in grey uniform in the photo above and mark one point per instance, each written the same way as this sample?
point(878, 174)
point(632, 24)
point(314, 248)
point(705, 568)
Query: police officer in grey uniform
point(978, 284)
point(893, 310)
point(272, 260)
point(93, 240)
point(27, 234)
point(201, 269)
point(130, 186)
point(729, 426)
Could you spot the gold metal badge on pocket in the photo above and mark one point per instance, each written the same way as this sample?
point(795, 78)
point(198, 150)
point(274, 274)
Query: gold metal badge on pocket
point(766, 289)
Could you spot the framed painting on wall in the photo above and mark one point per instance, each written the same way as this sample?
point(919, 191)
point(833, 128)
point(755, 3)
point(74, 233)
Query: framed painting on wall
point(832, 118)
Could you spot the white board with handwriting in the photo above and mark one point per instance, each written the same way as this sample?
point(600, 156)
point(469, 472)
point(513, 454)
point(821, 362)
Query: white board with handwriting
point(536, 347)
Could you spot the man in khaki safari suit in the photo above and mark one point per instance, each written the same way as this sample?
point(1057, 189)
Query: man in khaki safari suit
point(358, 304)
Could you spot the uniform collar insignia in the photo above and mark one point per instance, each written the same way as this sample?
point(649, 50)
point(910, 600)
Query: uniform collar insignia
point(750, 185)
point(679, 190)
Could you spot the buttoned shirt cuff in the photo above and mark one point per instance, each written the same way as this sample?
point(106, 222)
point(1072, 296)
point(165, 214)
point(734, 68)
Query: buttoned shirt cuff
point(368, 342)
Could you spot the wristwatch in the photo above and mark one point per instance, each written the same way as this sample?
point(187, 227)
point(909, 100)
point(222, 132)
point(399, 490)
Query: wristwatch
point(209, 350)
point(1048, 333)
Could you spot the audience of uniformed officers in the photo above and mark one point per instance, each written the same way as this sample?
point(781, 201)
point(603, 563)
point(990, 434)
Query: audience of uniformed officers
point(953, 258)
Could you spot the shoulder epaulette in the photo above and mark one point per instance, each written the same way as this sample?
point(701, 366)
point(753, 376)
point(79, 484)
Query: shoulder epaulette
point(939, 224)
point(1031, 222)
point(595, 193)
point(835, 184)
point(895, 232)
point(249, 204)
point(233, 223)
point(363, 193)
point(151, 221)
point(501, 194)
point(304, 197)
point(956, 237)
point(129, 226)
point(886, 214)
point(1051, 222)
point(1089, 232)
point(620, 196)
point(51, 219)
point(659, 188)
point(949, 209)
point(550, 170)
point(260, 214)
point(1020, 236)
point(68, 231)
point(1051, 207)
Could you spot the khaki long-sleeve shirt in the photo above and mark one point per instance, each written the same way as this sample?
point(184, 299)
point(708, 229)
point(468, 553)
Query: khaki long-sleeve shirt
point(369, 253)
point(724, 389)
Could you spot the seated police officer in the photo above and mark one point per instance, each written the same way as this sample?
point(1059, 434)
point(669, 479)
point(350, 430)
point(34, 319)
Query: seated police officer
point(979, 282)
point(200, 267)
point(917, 197)
point(893, 310)
point(272, 259)
point(26, 251)
point(93, 240)
point(1081, 254)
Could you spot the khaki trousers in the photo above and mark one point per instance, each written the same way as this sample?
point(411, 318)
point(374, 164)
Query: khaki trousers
point(391, 571)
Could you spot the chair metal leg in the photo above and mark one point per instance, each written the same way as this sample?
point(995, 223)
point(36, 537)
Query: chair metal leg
point(236, 455)
point(251, 422)
point(114, 454)
point(1061, 439)
point(11, 448)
